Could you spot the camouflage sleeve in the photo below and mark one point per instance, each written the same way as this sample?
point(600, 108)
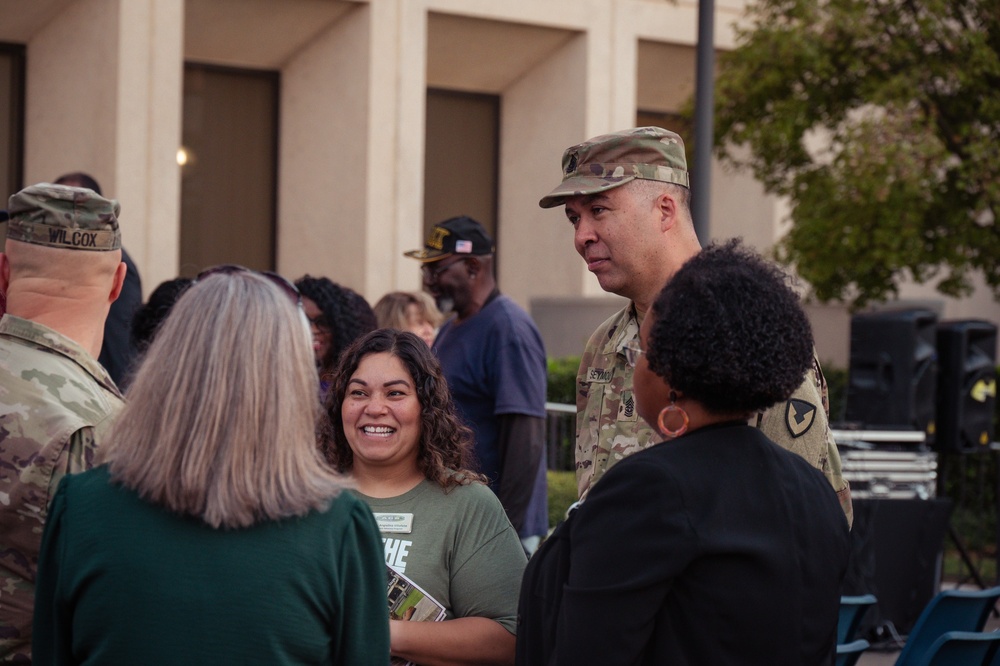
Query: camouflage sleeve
point(78, 456)
point(801, 424)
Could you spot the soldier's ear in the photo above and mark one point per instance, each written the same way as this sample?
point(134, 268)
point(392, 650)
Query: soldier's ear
point(119, 282)
point(666, 206)
point(4, 272)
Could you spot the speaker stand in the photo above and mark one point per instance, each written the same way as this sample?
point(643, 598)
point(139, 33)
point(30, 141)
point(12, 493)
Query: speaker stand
point(963, 552)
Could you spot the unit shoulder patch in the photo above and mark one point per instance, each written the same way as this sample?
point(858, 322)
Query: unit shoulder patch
point(799, 416)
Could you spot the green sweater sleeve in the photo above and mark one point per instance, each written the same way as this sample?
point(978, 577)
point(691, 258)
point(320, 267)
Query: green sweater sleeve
point(363, 636)
point(50, 639)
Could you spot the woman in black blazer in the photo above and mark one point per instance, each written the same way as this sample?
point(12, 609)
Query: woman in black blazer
point(715, 546)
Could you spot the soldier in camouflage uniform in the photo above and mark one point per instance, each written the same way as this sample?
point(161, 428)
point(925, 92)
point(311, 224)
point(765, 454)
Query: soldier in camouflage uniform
point(60, 272)
point(626, 195)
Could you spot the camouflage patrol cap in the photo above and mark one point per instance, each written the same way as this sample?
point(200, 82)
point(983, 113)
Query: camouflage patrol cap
point(611, 160)
point(458, 235)
point(72, 218)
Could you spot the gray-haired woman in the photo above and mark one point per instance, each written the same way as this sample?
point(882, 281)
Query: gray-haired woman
point(215, 533)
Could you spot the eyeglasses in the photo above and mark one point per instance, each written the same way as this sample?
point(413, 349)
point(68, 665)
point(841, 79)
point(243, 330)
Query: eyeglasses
point(432, 271)
point(632, 352)
point(229, 269)
point(320, 324)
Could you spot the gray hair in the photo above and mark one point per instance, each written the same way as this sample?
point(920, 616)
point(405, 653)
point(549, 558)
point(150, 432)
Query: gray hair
point(651, 189)
point(221, 417)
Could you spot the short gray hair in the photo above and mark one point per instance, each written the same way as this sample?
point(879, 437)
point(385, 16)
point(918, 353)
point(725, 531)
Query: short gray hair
point(651, 189)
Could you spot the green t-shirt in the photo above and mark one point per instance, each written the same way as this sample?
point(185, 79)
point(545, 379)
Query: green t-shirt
point(457, 546)
point(123, 581)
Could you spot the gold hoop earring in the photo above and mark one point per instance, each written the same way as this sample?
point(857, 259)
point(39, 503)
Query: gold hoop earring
point(665, 413)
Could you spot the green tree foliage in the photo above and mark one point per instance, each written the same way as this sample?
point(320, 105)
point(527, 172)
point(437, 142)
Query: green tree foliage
point(880, 121)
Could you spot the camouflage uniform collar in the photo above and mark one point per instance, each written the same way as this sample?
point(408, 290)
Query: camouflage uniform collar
point(43, 336)
point(626, 330)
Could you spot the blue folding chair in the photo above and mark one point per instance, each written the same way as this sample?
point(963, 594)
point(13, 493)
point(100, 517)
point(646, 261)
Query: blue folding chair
point(963, 648)
point(852, 611)
point(849, 653)
point(950, 610)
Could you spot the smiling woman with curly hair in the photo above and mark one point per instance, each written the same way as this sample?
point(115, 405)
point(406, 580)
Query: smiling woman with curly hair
point(707, 546)
point(394, 428)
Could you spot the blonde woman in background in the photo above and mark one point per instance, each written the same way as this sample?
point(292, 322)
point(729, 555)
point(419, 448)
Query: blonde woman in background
point(216, 534)
point(409, 311)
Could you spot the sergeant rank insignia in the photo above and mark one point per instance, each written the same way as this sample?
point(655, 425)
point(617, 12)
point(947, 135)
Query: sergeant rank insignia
point(799, 416)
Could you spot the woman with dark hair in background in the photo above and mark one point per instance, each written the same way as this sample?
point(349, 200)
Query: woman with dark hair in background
point(147, 319)
point(715, 546)
point(337, 316)
point(216, 533)
point(394, 428)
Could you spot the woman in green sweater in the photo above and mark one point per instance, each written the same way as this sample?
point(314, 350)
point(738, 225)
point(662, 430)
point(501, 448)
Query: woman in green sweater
point(215, 534)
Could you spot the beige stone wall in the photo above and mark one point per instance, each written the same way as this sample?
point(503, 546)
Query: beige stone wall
point(324, 158)
point(104, 95)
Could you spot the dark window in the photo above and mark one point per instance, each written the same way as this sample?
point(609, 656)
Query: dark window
point(11, 120)
point(229, 179)
point(461, 158)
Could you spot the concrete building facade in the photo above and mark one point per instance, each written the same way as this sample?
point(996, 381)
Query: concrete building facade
point(345, 169)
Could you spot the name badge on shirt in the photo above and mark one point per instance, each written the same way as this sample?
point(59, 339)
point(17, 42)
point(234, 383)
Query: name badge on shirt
point(394, 523)
point(598, 375)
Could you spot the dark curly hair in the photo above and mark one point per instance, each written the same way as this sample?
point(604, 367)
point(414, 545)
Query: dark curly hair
point(147, 319)
point(729, 332)
point(346, 312)
point(445, 454)
point(79, 179)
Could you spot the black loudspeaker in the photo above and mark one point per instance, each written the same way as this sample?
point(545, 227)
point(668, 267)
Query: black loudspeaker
point(967, 385)
point(896, 549)
point(892, 377)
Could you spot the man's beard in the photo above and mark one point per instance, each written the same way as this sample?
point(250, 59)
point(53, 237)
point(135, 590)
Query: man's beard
point(446, 304)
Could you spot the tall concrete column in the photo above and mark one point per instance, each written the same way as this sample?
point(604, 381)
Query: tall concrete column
point(105, 98)
point(323, 214)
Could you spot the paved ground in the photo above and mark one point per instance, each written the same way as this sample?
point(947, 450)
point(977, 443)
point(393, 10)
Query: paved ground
point(873, 658)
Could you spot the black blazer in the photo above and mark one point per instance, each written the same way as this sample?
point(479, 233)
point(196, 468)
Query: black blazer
point(719, 547)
